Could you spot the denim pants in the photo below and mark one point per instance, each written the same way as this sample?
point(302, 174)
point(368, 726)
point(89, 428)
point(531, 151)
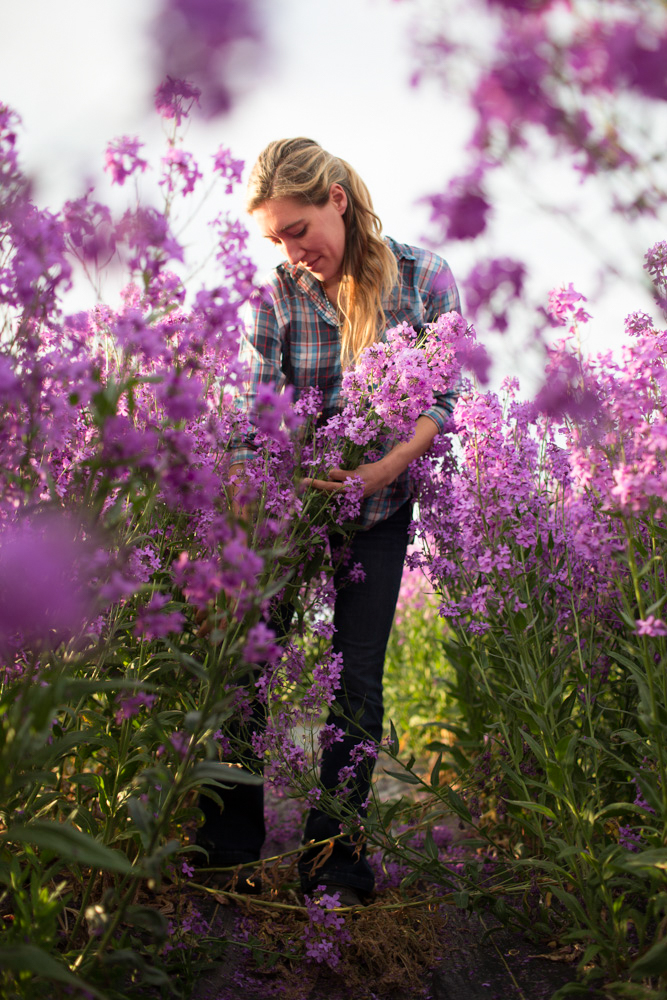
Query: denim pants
point(363, 615)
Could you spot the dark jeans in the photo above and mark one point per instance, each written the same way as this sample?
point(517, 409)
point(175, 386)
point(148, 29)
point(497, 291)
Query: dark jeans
point(363, 615)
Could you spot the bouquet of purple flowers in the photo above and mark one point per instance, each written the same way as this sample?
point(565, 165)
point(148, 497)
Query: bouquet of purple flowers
point(394, 381)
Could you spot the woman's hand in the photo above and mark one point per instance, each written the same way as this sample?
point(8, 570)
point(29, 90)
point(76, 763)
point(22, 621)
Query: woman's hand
point(373, 474)
point(376, 475)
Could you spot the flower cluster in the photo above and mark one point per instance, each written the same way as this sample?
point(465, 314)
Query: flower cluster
point(544, 81)
point(326, 931)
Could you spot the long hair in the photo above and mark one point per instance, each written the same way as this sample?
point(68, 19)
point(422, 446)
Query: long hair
point(301, 169)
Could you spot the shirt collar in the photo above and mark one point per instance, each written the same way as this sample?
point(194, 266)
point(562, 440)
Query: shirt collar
point(312, 288)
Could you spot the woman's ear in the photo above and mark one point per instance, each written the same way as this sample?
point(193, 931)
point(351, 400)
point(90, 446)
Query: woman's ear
point(338, 198)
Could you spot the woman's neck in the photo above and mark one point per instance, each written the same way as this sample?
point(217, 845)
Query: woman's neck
point(330, 289)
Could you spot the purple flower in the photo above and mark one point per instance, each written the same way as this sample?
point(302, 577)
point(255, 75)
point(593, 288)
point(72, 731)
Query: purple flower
point(563, 306)
point(227, 167)
point(153, 622)
point(122, 158)
point(462, 212)
point(651, 626)
point(357, 573)
point(176, 98)
point(118, 588)
point(197, 39)
point(629, 839)
point(45, 580)
point(328, 735)
point(325, 932)
point(181, 742)
point(492, 286)
point(129, 705)
point(89, 230)
point(180, 164)
point(146, 232)
point(260, 646)
point(635, 55)
point(273, 412)
point(181, 396)
point(526, 6)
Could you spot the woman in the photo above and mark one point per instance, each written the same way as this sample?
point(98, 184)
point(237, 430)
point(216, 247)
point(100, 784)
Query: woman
point(340, 288)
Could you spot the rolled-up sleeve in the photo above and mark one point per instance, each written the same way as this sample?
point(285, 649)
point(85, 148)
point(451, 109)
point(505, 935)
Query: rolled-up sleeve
point(439, 295)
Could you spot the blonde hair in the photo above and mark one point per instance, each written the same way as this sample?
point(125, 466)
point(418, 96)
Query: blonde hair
point(300, 168)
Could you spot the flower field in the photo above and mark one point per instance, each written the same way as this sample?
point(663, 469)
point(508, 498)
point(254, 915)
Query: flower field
point(140, 666)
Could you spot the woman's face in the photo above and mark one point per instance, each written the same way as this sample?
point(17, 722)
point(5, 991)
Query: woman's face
point(310, 235)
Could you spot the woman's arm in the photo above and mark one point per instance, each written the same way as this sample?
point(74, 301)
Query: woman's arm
point(377, 475)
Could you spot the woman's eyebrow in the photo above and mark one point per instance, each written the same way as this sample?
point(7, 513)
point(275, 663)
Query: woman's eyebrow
point(299, 222)
point(278, 232)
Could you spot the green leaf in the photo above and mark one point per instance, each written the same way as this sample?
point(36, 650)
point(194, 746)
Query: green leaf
point(621, 809)
point(139, 814)
point(149, 919)
point(572, 904)
point(628, 736)
point(87, 738)
point(435, 772)
point(406, 776)
point(457, 804)
point(393, 739)
point(534, 807)
point(653, 858)
point(388, 814)
point(430, 846)
point(565, 748)
point(127, 958)
point(68, 843)
point(30, 958)
point(653, 962)
point(555, 775)
point(217, 771)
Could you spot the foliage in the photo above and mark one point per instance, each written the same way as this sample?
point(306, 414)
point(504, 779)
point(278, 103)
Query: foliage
point(134, 596)
point(569, 90)
point(142, 573)
point(545, 540)
point(417, 673)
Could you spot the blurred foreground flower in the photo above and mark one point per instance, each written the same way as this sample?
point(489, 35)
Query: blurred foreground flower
point(45, 577)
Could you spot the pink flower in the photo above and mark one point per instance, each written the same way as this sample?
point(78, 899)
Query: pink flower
point(227, 167)
point(45, 580)
point(153, 622)
point(122, 158)
point(562, 305)
point(130, 704)
point(196, 39)
point(176, 98)
point(179, 163)
point(462, 212)
point(651, 626)
point(260, 646)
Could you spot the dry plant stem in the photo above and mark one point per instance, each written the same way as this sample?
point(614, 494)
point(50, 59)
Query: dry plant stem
point(273, 905)
point(504, 961)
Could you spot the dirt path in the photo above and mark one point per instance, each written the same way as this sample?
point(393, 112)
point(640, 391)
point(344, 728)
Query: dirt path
point(465, 956)
point(505, 967)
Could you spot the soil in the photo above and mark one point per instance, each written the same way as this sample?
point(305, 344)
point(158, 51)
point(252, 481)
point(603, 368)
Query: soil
point(503, 967)
point(477, 959)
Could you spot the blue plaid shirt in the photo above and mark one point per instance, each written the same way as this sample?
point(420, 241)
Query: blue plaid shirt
point(293, 338)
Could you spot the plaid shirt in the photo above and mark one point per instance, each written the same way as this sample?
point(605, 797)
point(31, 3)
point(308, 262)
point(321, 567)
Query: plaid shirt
point(293, 338)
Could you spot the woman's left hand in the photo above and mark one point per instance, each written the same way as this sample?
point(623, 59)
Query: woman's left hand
point(373, 474)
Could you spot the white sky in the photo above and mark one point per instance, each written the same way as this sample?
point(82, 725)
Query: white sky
point(81, 72)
